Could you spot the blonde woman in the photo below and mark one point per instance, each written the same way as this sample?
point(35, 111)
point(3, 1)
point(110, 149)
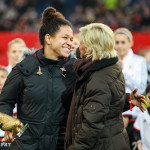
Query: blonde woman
point(133, 66)
point(99, 97)
point(134, 69)
point(15, 51)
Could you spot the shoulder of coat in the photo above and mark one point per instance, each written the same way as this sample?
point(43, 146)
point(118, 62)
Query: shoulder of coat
point(28, 65)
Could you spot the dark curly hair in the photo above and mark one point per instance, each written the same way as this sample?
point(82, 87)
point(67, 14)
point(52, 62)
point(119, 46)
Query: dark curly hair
point(51, 22)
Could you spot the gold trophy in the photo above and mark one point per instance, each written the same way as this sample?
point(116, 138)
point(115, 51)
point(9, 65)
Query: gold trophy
point(8, 123)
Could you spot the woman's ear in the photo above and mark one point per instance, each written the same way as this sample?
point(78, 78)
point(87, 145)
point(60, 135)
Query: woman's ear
point(48, 39)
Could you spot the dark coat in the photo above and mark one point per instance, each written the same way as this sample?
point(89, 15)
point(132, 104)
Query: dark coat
point(97, 122)
point(38, 99)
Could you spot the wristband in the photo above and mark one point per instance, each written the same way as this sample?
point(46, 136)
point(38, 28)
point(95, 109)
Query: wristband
point(130, 104)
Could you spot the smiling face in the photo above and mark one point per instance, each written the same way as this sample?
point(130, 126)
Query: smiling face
point(59, 45)
point(122, 45)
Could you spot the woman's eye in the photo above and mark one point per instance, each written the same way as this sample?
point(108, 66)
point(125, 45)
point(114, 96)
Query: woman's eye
point(2, 77)
point(14, 51)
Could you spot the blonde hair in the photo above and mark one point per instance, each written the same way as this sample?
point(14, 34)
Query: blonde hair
point(4, 70)
point(126, 32)
point(17, 40)
point(98, 40)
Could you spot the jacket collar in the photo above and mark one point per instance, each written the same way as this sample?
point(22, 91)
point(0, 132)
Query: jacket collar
point(45, 61)
point(95, 66)
point(129, 55)
point(98, 65)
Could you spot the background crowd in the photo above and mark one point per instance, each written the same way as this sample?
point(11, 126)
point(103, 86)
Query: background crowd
point(24, 15)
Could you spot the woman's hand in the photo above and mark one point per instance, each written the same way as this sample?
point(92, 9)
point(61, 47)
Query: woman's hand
point(8, 137)
point(138, 100)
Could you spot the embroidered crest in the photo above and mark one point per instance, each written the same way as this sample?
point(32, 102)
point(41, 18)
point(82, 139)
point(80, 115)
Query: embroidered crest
point(62, 69)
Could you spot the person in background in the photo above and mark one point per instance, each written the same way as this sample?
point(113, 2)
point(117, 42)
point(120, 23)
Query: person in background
point(3, 77)
point(146, 54)
point(133, 66)
point(95, 116)
point(142, 126)
point(135, 73)
point(15, 52)
point(36, 85)
point(75, 43)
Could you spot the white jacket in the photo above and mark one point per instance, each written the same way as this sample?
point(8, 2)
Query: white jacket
point(142, 124)
point(135, 72)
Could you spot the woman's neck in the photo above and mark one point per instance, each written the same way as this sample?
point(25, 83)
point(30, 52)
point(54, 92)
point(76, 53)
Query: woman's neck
point(12, 64)
point(121, 57)
point(50, 54)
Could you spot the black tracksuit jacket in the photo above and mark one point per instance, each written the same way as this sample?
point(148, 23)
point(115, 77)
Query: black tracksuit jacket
point(38, 99)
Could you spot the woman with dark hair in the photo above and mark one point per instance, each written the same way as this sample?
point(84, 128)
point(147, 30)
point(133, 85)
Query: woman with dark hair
point(36, 85)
